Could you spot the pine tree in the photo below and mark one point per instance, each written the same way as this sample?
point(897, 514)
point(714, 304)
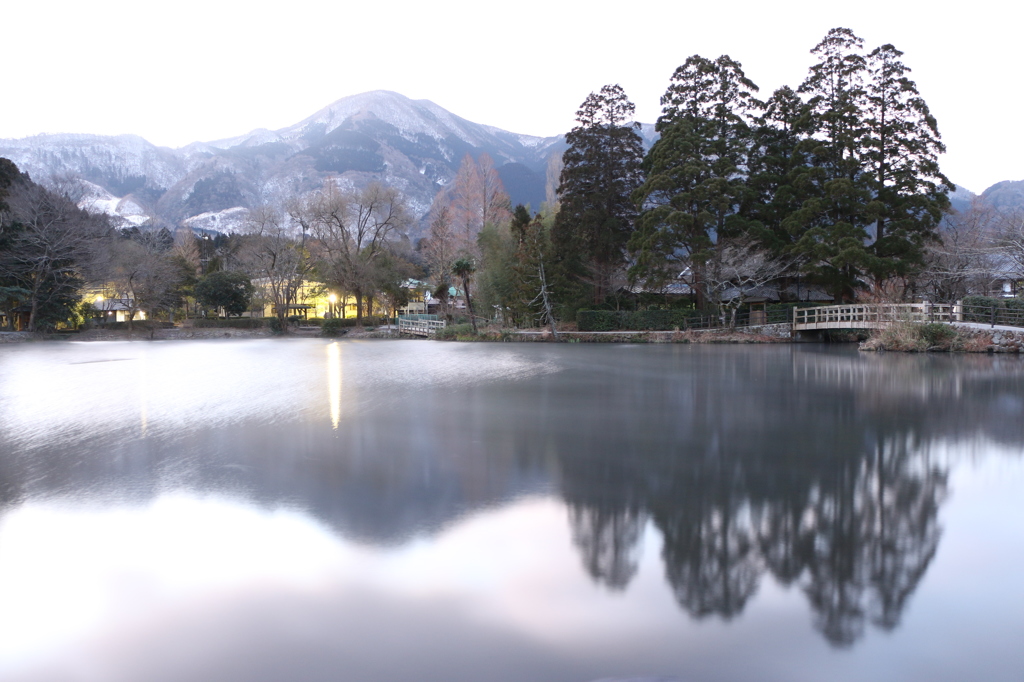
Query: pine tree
point(601, 171)
point(695, 180)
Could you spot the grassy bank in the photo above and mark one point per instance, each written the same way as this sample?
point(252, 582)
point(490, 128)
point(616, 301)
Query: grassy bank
point(908, 337)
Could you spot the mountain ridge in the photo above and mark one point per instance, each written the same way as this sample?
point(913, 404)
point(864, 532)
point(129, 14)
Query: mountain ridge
point(414, 145)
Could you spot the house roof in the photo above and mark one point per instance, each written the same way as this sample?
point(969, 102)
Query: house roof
point(677, 288)
point(773, 294)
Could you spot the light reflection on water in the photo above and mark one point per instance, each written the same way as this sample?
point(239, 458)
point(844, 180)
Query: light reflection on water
point(416, 510)
point(334, 372)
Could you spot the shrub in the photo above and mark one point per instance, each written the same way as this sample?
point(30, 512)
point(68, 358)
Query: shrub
point(982, 302)
point(333, 327)
point(596, 320)
point(979, 308)
point(275, 325)
point(636, 320)
point(913, 337)
point(455, 332)
point(230, 323)
point(137, 325)
point(937, 334)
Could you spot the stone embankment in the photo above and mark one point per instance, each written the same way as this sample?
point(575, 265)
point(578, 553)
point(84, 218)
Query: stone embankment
point(15, 337)
point(176, 333)
point(1007, 341)
point(769, 333)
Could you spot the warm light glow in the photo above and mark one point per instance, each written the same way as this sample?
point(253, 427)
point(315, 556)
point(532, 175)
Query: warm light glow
point(334, 383)
point(99, 298)
point(332, 298)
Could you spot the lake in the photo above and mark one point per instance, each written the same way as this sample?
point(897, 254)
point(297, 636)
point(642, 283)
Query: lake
point(306, 510)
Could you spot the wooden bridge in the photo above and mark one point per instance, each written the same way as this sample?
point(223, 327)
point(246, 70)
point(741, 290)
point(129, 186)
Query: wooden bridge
point(875, 315)
point(420, 325)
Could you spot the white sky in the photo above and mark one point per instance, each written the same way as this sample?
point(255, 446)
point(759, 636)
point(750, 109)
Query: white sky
point(176, 72)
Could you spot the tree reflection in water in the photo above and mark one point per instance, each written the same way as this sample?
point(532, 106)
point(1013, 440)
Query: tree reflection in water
point(857, 540)
point(847, 511)
point(816, 468)
point(608, 541)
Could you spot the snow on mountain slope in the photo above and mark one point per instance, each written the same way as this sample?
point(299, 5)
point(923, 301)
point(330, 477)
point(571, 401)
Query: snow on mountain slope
point(413, 145)
point(125, 210)
point(411, 117)
point(121, 164)
point(226, 221)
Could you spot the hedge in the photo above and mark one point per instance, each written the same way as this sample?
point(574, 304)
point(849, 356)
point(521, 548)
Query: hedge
point(635, 320)
point(982, 302)
point(332, 326)
point(229, 323)
point(145, 325)
point(367, 321)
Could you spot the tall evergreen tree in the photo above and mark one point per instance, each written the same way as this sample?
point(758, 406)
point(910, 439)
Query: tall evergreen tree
point(876, 194)
point(832, 221)
point(601, 170)
point(695, 171)
point(901, 149)
point(8, 175)
point(776, 161)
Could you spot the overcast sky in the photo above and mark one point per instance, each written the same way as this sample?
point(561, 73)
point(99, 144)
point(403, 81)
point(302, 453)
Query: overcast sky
point(189, 70)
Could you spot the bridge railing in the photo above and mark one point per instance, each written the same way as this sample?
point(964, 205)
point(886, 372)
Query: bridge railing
point(418, 326)
point(992, 315)
point(874, 315)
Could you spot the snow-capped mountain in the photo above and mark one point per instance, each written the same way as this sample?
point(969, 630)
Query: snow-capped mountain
point(413, 145)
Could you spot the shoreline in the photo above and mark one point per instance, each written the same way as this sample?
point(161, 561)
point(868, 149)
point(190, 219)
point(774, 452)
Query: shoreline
point(980, 338)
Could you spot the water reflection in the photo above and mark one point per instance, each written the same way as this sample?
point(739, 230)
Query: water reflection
point(816, 469)
point(855, 535)
point(334, 382)
point(811, 471)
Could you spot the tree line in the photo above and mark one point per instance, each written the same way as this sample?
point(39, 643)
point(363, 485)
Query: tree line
point(834, 184)
point(350, 241)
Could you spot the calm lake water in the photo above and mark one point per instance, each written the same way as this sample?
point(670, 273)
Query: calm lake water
point(400, 510)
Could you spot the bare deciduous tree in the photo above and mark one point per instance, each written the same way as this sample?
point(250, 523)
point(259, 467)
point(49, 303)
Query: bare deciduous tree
point(963, 261)
point(353, 233)
point(441, 248)
point(275, 258)
point(142, 273)
point(51, 248)
point(737, 268)
point(1008, 243)
point(478, 198)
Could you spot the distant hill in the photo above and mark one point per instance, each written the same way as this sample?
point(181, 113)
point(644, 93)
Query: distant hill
point(414, 145)
point(961, 199)
point(1008, 194)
